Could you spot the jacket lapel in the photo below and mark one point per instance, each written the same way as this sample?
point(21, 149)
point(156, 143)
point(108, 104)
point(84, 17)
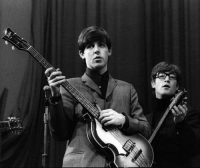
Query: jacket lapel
point(90, 83)
point(111, 85)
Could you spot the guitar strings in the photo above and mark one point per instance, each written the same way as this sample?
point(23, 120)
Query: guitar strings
point(115, 132)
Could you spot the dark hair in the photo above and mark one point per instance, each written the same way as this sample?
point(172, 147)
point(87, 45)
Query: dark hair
point(93, 34)
point(166, 67)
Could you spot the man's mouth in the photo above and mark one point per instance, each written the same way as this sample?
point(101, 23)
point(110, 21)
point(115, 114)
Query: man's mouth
point(166, 86)
point(97, 58)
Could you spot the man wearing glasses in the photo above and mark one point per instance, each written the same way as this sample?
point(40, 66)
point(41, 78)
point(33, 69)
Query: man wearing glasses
point(176, 141)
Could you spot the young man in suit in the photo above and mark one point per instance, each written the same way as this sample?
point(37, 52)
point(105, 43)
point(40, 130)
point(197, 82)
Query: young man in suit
point(116, 100)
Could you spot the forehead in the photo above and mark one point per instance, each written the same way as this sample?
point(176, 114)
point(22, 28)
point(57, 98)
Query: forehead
point(166, 72)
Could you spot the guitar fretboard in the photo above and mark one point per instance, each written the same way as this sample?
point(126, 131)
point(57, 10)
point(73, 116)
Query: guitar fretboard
point(174, 102)
point(77, 95)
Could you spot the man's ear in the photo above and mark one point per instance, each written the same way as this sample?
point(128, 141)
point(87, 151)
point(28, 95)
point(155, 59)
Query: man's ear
point(81, 54)
point(110, 52)
point(153, 84)
point(177, 87)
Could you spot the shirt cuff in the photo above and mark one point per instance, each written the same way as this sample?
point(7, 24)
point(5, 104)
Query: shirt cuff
point(126, 123)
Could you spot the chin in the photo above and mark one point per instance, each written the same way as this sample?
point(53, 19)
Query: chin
point(168, 91)
point(98, 66)
point(168, 94)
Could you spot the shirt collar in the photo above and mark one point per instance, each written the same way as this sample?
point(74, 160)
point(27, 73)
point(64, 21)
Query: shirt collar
point(96, 77)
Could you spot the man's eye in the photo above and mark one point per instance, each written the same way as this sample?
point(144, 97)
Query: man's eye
point(90, 46)
point(172, 76)
point(102, 44)
point(161, 76)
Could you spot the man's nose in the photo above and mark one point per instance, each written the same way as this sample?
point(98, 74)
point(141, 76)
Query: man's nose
point(167, 78)
point(96, 48)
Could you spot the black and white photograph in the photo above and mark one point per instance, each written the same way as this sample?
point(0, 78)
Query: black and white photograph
point(99, 83)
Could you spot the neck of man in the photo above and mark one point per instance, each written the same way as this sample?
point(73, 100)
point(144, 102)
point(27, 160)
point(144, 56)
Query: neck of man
point(99, 71)
point(163, 96)
point(100, 79)
point(95, 72)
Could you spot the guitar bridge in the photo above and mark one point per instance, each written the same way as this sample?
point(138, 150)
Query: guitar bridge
point(129, 146)
point(137, 155)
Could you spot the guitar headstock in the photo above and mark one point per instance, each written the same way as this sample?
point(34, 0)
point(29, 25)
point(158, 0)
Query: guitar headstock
point(180, 97)
point(15, 40)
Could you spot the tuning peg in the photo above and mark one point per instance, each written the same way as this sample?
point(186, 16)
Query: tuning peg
point(13, 48)
point(6, 42)
point(5, 31)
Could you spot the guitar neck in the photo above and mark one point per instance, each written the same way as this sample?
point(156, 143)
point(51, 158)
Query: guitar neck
point(178, 97)
point(73, 91)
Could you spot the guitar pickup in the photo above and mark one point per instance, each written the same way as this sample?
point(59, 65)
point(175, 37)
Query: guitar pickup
point(128, 146)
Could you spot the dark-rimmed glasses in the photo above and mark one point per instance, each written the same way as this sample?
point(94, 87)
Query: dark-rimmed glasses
point(162, 76)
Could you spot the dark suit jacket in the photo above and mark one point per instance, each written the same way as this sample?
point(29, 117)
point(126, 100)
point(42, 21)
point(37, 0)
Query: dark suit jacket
point(67, 123)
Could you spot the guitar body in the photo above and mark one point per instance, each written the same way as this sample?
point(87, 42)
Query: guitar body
point(117, 147)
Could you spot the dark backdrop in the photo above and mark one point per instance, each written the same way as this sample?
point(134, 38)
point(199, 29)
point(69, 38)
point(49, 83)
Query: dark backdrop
point(143, 32)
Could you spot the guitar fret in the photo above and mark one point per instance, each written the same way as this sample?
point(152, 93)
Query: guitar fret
point(39, 57)
point(85, 102)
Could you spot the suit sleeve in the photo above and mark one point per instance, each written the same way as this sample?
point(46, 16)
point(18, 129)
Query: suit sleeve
point(136, 120)
point(61, 116)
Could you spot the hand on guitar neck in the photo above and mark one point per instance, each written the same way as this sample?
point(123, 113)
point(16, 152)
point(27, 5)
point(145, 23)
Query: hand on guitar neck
point(55, 79)
point(180, 111)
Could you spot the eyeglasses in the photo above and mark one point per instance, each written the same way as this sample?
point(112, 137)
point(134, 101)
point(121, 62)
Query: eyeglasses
point(162, 76)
